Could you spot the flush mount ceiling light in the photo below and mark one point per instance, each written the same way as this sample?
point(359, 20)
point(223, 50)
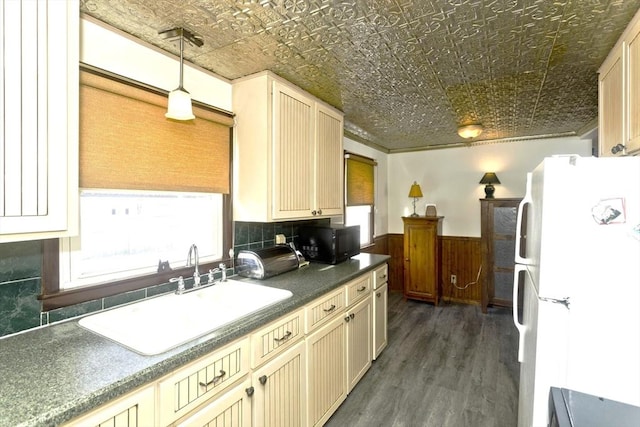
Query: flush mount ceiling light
point(470, 131)
point(179, 105)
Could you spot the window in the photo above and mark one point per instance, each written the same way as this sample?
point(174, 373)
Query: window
point(127, 233)
point(360, 195)
point(151, 188)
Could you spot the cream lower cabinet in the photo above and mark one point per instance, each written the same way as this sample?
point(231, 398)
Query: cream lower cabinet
point(327, 372)
point(279, 398)
point(358, 319)
point(136, 409)
point(380, 300)
point(231, 409)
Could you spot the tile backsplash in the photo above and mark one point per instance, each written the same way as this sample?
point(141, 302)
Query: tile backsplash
point(21, 270)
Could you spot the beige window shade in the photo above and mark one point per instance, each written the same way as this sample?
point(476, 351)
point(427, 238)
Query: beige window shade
point(127, 143)
point(360, 181)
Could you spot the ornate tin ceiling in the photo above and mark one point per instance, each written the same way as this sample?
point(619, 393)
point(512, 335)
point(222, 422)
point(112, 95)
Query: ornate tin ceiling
point(406, 73)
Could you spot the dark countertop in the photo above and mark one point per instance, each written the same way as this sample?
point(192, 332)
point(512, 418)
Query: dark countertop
point(52, 374)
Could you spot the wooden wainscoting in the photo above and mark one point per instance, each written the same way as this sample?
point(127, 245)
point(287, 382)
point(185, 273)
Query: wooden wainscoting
point(458, 255)
point(461, 256)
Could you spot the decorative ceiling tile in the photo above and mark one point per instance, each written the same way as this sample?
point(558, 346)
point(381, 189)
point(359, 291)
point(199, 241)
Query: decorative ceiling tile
point(406, 73)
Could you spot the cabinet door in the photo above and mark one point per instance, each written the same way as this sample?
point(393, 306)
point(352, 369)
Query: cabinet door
point(379, 320)
point(329, 163)
point(39, 130)
point(633, 83)
point(359, 330)
point(136, 409)
point(280, 390)
point(293, 156)
point(420, 274)
point(231, 409)
point(327, 370)
point(611, 106)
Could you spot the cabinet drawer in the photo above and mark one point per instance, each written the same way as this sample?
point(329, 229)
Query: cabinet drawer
point(136, 409)
point(380, 276)
point(276, 337)
point(192, 385)
point(325, 308)
point(358, 289)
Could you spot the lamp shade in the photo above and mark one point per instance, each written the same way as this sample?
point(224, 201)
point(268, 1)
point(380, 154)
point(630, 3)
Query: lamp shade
point(470, 131)
point(179, 105)
point(415, 190)
point(490, 178)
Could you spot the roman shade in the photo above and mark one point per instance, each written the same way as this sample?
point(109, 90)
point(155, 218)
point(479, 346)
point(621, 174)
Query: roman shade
point(359, 180)
point(127, 143)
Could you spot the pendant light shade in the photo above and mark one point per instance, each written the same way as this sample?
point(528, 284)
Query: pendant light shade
point(179, 104)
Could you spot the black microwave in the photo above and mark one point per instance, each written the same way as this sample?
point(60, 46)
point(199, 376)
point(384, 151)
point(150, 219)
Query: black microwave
point(328, 244)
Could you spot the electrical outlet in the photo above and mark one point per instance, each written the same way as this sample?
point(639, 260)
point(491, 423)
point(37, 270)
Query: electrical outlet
point(280, 239)
point(454, 279)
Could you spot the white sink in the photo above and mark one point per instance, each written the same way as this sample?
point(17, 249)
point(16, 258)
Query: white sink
point(156, 325)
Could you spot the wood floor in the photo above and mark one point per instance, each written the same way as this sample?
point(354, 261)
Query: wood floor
point(445, 366)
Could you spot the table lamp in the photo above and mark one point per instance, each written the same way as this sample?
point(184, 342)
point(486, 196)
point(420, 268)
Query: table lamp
point(489, 179)
point(416, 193)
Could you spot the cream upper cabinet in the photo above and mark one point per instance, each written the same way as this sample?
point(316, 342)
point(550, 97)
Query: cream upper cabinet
point(287, 152)
point(39, 126)
point(632, 52)
point(619, 95)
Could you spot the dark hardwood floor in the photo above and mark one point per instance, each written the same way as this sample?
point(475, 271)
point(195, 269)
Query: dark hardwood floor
point(444, 366)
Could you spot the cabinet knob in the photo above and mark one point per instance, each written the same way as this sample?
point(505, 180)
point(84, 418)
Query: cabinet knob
point(314, 212)
point(617, 148)
point(319, 211)
point(263, 379)
point(346, 319)
point(249, 391)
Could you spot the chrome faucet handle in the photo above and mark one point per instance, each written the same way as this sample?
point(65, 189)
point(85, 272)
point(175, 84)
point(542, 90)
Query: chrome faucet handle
point(180, 281)
point(223, 269)
point(210, 279)
point(196, 279)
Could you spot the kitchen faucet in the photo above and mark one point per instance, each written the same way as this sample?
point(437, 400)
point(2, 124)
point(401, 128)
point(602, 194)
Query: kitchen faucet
point(196, 274)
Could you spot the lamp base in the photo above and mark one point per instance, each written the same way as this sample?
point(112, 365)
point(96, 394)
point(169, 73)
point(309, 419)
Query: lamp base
point(488, 191)
point(414, 215)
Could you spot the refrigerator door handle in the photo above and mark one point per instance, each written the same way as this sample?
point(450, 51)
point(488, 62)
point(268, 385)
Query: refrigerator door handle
point(521, 328)
point(519, 231)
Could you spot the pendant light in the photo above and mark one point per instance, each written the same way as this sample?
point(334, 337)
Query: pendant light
point(179, 105)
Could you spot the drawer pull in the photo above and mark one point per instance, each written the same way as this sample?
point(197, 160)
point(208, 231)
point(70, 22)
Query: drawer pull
point(330, 309)
point(362, 288)
point(378, 294)
point(214, 379)
point(284, 338)
point(249, 391)
point(352, 315)
point(263, 379)
point(346, 319)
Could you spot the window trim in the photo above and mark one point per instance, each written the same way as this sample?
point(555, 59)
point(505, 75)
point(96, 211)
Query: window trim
point(374, 163)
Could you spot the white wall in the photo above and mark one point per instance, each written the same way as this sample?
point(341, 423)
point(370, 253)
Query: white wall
point(449, 178)
point(381, 215)
point(118, 53)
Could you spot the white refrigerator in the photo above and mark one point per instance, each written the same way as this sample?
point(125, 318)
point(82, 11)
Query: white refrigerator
point(578, 264)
